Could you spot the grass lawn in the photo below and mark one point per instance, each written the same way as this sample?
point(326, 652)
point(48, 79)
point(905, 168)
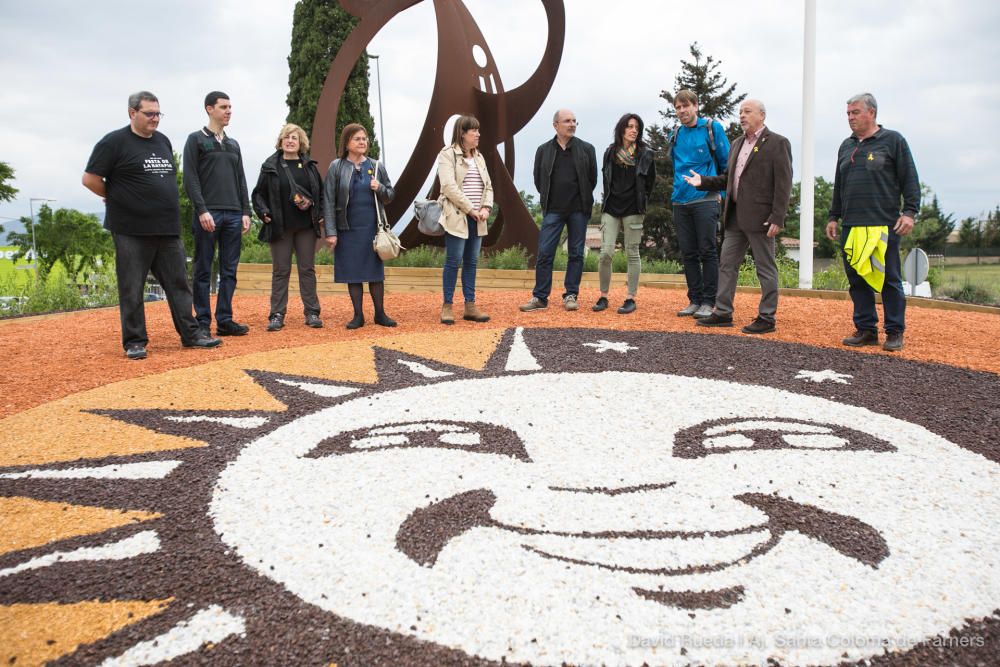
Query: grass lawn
point(986, 275)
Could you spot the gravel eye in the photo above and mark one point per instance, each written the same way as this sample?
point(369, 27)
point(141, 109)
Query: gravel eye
point(477, 437)
point(732, 435)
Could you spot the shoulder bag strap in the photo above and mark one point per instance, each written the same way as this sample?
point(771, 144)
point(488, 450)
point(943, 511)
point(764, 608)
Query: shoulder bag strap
point(288, 175)
point(383, 223)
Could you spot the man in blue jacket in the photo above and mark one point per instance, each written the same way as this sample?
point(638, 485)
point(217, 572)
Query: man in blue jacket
point(699, 145)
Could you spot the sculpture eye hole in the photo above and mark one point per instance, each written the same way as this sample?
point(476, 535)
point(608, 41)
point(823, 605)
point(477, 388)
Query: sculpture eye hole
point(733, 435)
point(477, 437)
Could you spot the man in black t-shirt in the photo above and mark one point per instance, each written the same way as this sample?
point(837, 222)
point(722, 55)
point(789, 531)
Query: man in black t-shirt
point(217, 187)
point(133, 170)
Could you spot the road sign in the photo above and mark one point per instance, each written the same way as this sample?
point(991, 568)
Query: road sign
point(915, 268)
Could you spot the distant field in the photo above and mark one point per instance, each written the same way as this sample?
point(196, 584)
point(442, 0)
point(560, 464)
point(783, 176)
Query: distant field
point(987, 275)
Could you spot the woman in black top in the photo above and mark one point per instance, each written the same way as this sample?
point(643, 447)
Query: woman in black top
point(629, 175)
point(288, 198)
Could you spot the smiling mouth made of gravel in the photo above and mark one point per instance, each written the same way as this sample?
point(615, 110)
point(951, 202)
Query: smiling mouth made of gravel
point(428, 530)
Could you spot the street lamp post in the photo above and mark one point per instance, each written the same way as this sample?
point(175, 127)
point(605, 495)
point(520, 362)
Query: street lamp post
point(381, 125)
point(31, 209)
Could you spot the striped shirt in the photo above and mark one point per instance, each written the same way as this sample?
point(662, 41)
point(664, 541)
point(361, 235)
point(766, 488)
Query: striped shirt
point(876, 180)
point(472, 184)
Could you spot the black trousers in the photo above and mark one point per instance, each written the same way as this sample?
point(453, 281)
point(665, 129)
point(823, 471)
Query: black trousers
point(135, 257)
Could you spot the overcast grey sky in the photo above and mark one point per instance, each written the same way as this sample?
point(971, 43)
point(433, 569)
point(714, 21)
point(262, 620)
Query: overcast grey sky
point(68, 68)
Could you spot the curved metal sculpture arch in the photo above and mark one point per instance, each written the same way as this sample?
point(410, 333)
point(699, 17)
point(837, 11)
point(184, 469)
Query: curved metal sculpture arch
point(461, 86)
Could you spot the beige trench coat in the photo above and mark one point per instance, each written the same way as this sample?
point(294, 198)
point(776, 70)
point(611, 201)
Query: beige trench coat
point(451, 169)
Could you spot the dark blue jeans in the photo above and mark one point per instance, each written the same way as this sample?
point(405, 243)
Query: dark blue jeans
point(135, 257)
point(548, 241)
point(696, 227)
point(863, 296)
point(228, 234)
point(466, 252)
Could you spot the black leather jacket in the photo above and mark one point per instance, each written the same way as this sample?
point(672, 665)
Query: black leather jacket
point(585, 159)
point(266, 196)
point(337, 193)
point(645, 175)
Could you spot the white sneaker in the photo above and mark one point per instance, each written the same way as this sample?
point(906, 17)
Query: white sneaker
point(534, 304)
point(569, 302)
point(703, 311)
point(690, 310)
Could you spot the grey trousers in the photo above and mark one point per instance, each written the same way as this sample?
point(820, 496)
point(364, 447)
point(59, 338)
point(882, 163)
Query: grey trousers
point(610, 225)
point(734, 248)
point(304, 243)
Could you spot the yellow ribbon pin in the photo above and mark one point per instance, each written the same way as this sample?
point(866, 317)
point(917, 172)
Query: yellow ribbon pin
point(871, 157)
point(756, 149)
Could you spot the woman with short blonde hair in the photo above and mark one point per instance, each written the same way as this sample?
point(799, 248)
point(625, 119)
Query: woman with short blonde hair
point(288, 199)
point(286, 130)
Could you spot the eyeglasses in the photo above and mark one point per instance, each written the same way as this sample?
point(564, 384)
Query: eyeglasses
point(151, 114)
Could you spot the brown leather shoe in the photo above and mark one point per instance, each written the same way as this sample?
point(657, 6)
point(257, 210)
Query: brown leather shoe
point(861, 338)
point(759, 326)
point(473, 314)
point(447, 317)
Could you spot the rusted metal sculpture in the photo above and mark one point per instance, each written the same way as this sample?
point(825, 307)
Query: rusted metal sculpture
point(461, 86)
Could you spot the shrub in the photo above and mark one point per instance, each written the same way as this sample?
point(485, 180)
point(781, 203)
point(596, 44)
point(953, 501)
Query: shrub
point(832, 278)
point(55, 292)
point(661, 266)
point(255, 253)
point(970, 292)
point(788, 273)
point(515, 257)
point(324, 256)
point(422, 256)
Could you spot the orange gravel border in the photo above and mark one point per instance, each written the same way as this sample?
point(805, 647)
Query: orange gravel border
point(51, 357)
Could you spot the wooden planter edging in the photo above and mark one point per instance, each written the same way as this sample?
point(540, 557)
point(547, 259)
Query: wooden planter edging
point(256, 279)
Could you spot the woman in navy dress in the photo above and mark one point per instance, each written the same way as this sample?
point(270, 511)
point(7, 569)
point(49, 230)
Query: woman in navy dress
point(351, 189)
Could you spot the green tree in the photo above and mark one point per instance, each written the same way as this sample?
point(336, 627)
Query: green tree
point(533, 205)
point(74, 239)
point(970, 233)
point(717, 99)
point(992, 229)
point(822, 198)
point(187, 210)
point(7, 191)
point(319, 28)
point(931, 227)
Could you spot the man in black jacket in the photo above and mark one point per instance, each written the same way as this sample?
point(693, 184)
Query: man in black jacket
point(217, 187)
point(565, 177)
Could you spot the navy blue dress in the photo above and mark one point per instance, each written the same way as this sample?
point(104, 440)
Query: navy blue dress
point(354, 258)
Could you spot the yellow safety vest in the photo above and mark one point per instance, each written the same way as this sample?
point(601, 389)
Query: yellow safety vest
point(865, 252)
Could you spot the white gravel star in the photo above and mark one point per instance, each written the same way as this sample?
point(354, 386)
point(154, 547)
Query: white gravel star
point(605, 345)
point(823, 376)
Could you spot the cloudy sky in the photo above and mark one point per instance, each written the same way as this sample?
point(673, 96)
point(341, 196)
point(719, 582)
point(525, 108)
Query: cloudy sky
point(68, 68)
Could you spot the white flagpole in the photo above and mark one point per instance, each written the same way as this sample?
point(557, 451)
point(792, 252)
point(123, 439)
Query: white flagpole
point(806, 217)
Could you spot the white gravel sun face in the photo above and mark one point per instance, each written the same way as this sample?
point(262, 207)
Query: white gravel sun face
point(326, 527)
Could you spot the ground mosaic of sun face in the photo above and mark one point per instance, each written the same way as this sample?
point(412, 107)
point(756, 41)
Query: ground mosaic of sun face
point(539, 496)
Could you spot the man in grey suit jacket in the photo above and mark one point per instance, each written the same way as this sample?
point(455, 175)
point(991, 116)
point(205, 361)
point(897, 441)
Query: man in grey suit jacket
point(759, 182)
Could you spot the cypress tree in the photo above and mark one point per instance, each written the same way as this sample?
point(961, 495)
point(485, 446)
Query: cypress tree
point(319, 28)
